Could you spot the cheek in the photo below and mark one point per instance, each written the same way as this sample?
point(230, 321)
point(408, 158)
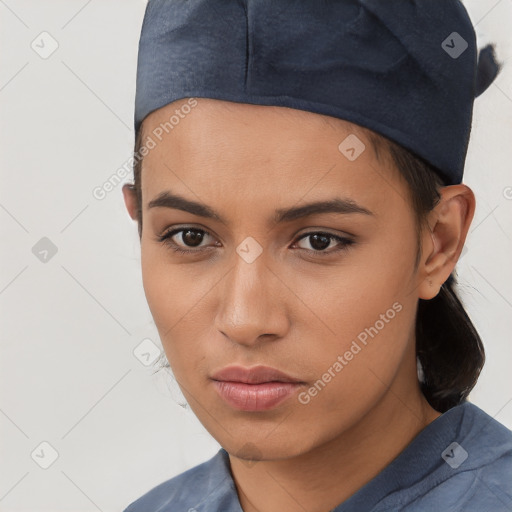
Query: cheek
point(361, 317)
point(176, 296)
point(159, 283)
point(352, 368)
point(165, 290)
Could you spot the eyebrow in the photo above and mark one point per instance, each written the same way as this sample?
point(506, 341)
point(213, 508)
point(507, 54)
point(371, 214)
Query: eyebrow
point(167, 199)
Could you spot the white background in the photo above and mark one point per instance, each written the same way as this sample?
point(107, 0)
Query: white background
point(68, 375)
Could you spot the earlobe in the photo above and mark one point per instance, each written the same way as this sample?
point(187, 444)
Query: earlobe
point(428, 289)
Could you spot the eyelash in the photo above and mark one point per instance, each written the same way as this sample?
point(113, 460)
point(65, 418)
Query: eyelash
point(166, 240)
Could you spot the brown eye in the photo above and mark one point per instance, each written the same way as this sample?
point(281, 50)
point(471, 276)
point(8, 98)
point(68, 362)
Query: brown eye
point(320, 241)
point(190, 237)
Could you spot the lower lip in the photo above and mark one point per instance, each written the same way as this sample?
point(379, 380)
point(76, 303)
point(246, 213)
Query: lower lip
point(255, 397)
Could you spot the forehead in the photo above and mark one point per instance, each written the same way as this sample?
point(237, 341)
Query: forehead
point(244, 113)
point(243, 147)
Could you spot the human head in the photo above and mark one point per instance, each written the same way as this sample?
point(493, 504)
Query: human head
point(269, 119)
point(226, 154)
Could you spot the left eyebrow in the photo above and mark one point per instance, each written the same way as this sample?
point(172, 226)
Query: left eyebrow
point(336, 205)
point(167, 199)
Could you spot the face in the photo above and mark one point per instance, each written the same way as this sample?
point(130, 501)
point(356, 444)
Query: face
point(327, 298)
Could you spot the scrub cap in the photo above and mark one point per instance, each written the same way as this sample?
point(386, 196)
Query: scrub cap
point(406, 69)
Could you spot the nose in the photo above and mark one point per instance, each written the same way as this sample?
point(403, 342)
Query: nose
point(252, 303)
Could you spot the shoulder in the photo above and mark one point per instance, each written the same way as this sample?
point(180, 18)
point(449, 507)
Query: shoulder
point(489, 476)
point(210, 480)
point(477, 475)
point(488, 442)
point(461, 462)
point(473, 490)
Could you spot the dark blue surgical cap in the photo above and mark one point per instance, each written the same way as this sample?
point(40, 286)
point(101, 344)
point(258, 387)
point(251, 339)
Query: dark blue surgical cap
point(407, 69)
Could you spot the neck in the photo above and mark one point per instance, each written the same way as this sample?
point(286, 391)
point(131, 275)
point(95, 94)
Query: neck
point(321, 479)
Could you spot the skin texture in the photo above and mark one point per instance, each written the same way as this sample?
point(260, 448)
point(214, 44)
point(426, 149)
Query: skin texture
point(291, 308)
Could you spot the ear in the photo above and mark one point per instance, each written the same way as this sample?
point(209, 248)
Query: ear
point(130, 200)
point(443, 239)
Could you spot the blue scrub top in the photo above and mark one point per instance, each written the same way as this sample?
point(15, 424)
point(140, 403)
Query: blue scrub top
point(462, 461)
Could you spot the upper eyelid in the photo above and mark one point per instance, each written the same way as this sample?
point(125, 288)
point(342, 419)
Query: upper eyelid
point(300, 236)
point(177, 230)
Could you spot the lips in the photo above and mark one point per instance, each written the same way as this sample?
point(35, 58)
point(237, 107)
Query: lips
point(254, 375)
point(254, 389)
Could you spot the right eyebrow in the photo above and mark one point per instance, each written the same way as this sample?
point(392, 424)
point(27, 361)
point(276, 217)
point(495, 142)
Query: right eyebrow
point(167, 199)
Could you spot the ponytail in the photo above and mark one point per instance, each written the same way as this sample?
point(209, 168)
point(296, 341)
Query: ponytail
point(448, 348)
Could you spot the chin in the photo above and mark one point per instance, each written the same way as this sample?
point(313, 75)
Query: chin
point(250, 452)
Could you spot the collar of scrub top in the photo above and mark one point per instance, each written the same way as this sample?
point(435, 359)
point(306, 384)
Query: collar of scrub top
point(408, 70)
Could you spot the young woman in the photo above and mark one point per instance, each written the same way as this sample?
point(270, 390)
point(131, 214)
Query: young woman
point(300, 209)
